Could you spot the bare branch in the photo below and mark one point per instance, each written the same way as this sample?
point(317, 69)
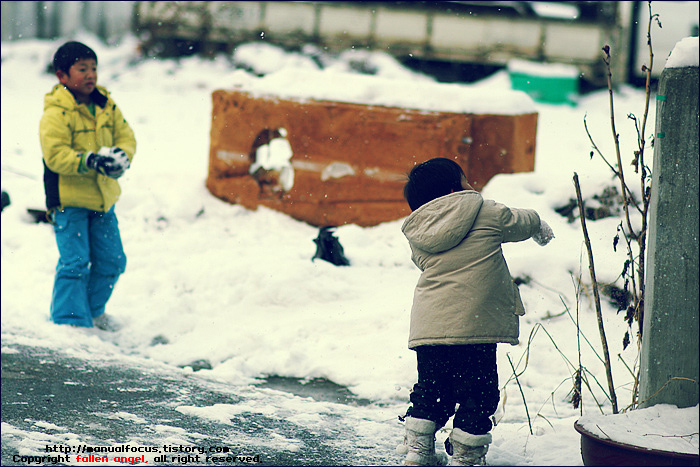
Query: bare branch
point(620, 172)
point(599, 314)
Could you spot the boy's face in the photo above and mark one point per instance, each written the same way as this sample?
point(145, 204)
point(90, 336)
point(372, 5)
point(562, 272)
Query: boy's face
point(81, 79)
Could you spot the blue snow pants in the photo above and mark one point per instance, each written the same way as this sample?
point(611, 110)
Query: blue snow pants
point(91, 260)
point(459, 380)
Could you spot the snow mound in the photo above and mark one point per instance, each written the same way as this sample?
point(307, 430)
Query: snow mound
point(329, 85)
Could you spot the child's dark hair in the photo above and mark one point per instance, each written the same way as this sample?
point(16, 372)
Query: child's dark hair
point(432, 179)
point(69, 53)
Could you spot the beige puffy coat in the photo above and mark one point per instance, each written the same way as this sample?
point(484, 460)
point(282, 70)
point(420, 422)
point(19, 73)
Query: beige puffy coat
point(465, 294)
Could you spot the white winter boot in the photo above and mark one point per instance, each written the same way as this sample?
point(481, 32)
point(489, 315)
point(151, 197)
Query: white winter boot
point(468, 449)
point(419, 443)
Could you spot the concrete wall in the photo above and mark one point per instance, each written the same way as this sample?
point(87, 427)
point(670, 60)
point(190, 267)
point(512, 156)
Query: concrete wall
point(349, 160)
point(669, 363)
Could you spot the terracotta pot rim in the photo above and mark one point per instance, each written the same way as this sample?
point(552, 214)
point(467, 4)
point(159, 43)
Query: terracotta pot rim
point(631, 447)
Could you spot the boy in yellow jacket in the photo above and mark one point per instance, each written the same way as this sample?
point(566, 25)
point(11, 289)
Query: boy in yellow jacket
point(87, 145)
point(465, 303)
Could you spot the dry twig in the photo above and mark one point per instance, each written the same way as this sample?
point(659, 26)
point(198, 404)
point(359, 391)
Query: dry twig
point(599, 314)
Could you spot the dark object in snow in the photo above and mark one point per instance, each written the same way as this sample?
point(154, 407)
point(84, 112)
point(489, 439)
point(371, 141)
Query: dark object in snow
point(38, 215)
point(328, 247)
point(522, 280)
point(570, 211)
point(621, 298)
point(160, 339)
point(198, 365)
point(5, 201)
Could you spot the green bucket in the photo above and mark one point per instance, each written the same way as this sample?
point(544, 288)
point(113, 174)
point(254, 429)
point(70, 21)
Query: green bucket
point(558, 88)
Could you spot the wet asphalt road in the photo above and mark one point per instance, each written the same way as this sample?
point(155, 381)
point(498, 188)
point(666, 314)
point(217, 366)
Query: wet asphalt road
point(50, 399)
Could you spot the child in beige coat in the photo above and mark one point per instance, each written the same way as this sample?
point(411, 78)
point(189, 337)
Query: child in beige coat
point(465, 303)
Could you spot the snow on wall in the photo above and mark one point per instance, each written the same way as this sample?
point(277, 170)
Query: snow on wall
point(684, 54)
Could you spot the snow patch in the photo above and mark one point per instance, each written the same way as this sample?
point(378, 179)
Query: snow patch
point(684, 54)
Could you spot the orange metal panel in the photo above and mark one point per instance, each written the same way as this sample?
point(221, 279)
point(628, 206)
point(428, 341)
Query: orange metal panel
point(374, 147)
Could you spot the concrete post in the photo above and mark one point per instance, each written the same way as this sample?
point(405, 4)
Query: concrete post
point(669, 360)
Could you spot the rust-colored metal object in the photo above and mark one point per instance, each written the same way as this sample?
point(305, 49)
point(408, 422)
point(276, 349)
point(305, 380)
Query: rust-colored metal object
point(350, 160)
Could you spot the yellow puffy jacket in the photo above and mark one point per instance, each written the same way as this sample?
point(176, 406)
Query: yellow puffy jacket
point(66, 131)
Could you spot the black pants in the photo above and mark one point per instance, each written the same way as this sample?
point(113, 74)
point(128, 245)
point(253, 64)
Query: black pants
point(461, 377)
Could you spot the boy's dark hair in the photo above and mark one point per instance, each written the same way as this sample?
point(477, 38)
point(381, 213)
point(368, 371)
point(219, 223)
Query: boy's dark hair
point(69, 53)
point(432, 179)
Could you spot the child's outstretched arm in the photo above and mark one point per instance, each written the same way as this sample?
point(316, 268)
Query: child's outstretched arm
point(521, 224)
point(517, 224)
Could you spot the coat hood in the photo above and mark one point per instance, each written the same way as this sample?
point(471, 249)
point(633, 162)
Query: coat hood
point(444, 222)
point(60, 96)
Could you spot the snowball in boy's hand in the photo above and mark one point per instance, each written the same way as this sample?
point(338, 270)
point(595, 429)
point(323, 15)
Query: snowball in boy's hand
point(120, 157)
point(545, 234)
point(105, 151)
point(111, 162)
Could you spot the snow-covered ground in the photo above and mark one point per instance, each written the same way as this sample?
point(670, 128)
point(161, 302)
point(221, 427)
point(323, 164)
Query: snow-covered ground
point(207, 280)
